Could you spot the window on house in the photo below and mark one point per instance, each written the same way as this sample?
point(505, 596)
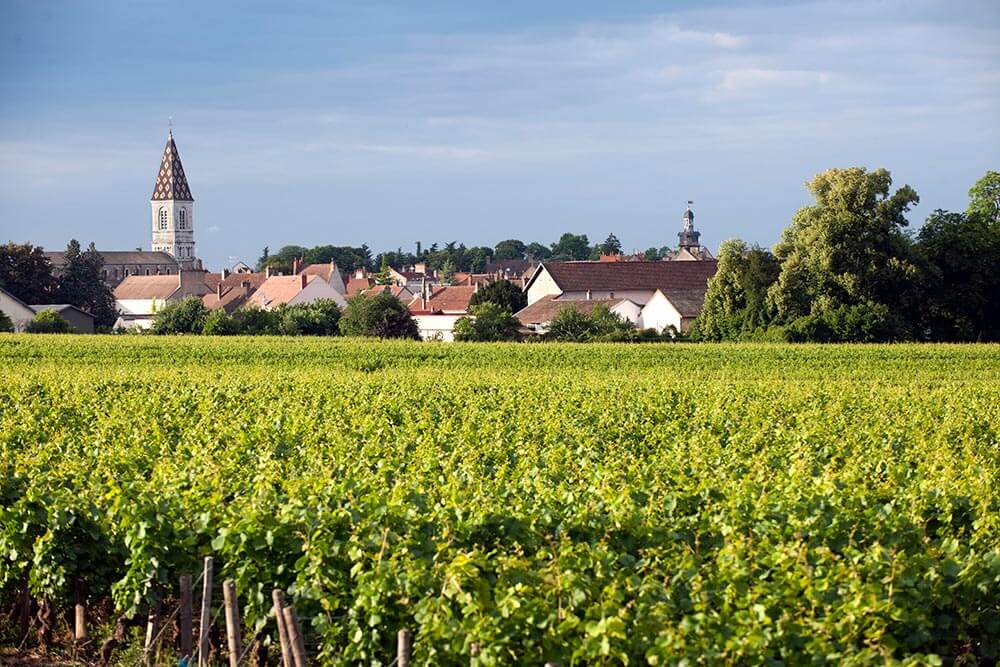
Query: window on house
point(163, 218)
point(147, 272)
point(182, 219)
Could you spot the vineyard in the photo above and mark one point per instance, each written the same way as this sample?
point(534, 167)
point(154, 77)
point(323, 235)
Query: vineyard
point(511, 504)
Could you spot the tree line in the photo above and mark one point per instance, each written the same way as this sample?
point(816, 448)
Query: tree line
point(452, 256)
point(849, 269)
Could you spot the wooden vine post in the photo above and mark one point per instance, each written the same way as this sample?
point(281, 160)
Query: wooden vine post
point(206, 613)
point(232, 621)
point(187, 603)
point(295, 637)
point(404, 647)
point(278, 597)
point(80, 611)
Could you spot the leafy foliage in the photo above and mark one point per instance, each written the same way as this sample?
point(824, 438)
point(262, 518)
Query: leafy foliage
point(489, 322)
point(81, 285)
point(736, 301)
point(381, 315)
point(503, 293)
point(780, 504)
point(26, 273)
point(183, 317)
point(47, 322)
point(571, 325)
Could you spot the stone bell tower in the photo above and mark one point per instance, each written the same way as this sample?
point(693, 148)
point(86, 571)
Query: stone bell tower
point(172, 209)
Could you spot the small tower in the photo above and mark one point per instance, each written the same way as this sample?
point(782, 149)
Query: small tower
point(172, 209)
point(688, 237)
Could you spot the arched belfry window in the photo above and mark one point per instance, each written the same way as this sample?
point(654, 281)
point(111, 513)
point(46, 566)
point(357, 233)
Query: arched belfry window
point(163, 218)
point(182, 219)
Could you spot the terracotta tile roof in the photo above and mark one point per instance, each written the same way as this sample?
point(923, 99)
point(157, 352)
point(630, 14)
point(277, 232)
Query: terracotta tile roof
point(543, 310)
point(513, 267)
point(277, 290)
point(324, 271)
point(147, 287)
point(683, 283)
point(171, 183)
point(213, 279)
point(234, 292)
point(397, 291)
point(445, 299)
point(355, 285)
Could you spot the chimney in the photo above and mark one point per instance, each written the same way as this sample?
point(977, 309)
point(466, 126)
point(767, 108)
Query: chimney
point(296, 266)
point(611, 295)
point(267, 272)
point(303, 280)
point(218, 290)
point(225, 273)
point(588, 295)
point(475, 287)
point(246, 288)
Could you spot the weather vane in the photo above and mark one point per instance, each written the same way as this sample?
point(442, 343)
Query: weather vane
point(170, 125)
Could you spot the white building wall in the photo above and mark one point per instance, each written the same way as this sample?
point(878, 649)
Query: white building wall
point(19, 314)
point(437, 327)
point(638, 296)
point(140, 306)
point(542, 286)
point(629, 311)
point(659, 313)
point(178, 242)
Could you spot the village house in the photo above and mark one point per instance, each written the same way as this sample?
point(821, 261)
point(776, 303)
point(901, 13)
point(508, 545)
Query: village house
point(436, 309)
point(233, 291)
point(21, 314)
point(292, 290)
point(139, 297)
point(669, 293)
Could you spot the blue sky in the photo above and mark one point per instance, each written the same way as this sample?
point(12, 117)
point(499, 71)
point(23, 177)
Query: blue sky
point(389, 123)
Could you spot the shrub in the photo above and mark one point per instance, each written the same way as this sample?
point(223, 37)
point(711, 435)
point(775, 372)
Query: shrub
point(488, 322)
point(381, 315)
point(184, 317)
point(254, 321)
point(6, 325)
point(320, 318)
point(220, 323)
point(48, 321)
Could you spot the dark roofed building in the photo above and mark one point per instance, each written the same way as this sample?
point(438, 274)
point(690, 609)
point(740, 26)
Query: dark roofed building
point(118, 264)
point(79, 320)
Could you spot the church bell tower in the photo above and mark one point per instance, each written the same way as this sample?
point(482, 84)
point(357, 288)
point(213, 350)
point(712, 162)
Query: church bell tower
point(172, 209)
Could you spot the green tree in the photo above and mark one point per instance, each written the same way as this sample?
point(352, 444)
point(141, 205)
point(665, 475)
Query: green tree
point(448, 272)
point(611, 246)
point(263, 259)
point(571, 246)
point(736, 301)
point(503, 293)
point(570, 325)
point(320, 318)
point(984, 198)
point(487, 322)
point(606, 325)
point(220, 323)
point(509, 249)
point(81, 285)
point(48, 321)
point(26, 273)
point(6, 325)
point(652, 254)
point(383, 277)
point(255, 321)
point(962, 291)
point(477, 258)
point(380, 315)
point(848, 252)
point(537, 251)
point(184, 317)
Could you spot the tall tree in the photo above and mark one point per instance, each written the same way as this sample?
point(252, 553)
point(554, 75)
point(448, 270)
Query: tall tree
point(26, 273)
point(488, 322)
point(503, 293)
point(509, 249)
point(537, 251)
point(611, 245)
point(571, 246)
point(962, 299)
point(736, 300)
point(984, 197)
point(81, 284)
point(846, 258)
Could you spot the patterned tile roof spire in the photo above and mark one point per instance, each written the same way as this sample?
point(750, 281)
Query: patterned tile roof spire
point(171, 183)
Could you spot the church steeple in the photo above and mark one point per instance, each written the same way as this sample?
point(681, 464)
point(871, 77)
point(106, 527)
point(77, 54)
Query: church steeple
point(688, 236)
point(172, 208)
